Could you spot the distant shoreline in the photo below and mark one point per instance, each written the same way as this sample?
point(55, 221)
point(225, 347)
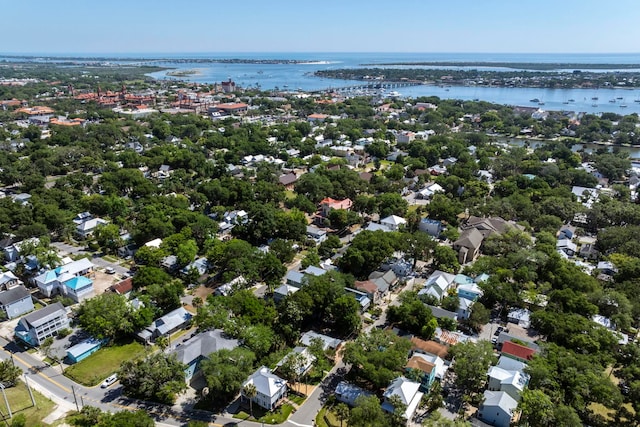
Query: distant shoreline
point(541, 66)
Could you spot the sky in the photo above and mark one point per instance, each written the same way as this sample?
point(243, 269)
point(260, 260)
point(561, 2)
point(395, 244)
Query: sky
point(191, 26)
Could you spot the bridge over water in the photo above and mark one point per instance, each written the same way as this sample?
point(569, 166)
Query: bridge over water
point(368, 86)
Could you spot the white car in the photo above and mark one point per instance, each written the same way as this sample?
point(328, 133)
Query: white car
point(110, 380)
point(110, 270)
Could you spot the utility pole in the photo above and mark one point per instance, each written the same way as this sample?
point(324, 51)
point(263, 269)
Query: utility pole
point(75, 399)
point(6, 401)
point(29, 389)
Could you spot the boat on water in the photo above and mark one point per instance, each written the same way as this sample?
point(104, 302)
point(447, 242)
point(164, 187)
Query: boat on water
point(540, 102)
point(572, 100)
point(623, 105)
point(619, 97)
point(594, 105)
point(612, 100)
point(595, 98)
point(534, 100)
point(393, 94)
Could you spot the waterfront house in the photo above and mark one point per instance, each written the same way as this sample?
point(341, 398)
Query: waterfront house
point(270, 388)
point(16, 301)
point(35, 327)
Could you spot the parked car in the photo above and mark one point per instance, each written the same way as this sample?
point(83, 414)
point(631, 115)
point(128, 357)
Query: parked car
point(110, 270)
point(110, 380)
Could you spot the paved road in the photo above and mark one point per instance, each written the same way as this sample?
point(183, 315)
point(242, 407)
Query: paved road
point(96, 260)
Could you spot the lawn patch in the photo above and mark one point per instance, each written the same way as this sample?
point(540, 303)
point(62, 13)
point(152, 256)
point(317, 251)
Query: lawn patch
point(104, 362)
point(20, 403)
point(278, 416)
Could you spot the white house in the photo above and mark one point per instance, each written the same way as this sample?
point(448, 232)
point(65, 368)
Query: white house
point(68, 280)
point(270, 388)
point(409, 393)
point(393, 222)
point(437, 284)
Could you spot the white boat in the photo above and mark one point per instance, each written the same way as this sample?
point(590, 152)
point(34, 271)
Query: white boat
point(393, 94)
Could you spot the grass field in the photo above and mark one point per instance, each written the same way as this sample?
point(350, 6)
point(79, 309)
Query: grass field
point(95, 368)
point(326, 418)
point(20, 403)
point(278, 416)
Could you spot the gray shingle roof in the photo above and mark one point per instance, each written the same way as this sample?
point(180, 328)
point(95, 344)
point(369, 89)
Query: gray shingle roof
point(45, 314)
point(13, 295)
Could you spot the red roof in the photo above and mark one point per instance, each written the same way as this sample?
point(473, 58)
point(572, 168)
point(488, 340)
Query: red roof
point(123, 287)
point(517, 350)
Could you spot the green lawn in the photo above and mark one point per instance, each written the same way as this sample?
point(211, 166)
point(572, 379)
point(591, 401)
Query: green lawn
point(278, 416)
point(104, 362)
point(326, 418)
point(298, 400)
point(20, 403)
point(110, 258)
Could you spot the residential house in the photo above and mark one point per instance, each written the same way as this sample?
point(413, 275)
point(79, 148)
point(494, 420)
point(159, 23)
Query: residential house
point(8, 280)
point(510, 381)
point(85, 229)
point(317, 118)
point(16, 301)
point(282, 291)
point(123, 287)
point(567, 246)
point(84, 349)
point(429, 191)
point(468, 245)
point(231, 108)
point(468, 288)
point(437, 284)
point(505, 336)
point(428, 347)
point(288, 180)
point(519, 316)
point(432, 227)
point(517, 351)
point(607, 267)
point(497, 408)
point(393, 222)
point(327, 204)
point(295, 279)
point(430, 367)
point(201, 265)
point(35, 327)
point(363, 300)
point(327, 342)
point(69, 280)
point(166, 325)
point(12, 252)
point(316, 234)
point(270, 388)
point(464, 308)
point(200, 347)
point(384, 281)
point(409, 393)
point(348, 393)
point(307, 360)
point(567, 231)
point(369, 288)
point(441, 313)
point(405, 137)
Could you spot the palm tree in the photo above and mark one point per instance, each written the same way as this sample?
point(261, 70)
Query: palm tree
point(342, 412)
point(250, 392)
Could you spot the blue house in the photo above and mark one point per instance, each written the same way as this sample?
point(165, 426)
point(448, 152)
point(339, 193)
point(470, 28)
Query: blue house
point(200, 347)
point(84, 349)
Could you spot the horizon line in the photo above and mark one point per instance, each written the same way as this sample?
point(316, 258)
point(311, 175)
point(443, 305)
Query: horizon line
point(32, 53)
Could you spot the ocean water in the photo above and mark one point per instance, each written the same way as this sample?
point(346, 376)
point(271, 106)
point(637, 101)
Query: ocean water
point(294, 77)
